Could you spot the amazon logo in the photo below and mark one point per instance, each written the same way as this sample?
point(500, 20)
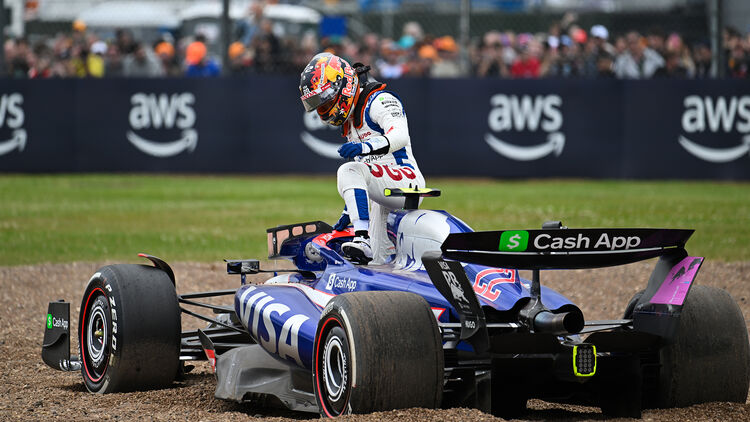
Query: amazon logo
point(718, 116)
point(515, 114)
point(156, 114)
point(12, 117)
point(317, 145)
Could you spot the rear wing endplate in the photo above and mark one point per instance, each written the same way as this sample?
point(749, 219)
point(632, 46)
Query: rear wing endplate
point(659, 308)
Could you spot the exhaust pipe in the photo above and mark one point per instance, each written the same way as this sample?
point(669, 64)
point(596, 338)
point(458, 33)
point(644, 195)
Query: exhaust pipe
point(562, 323)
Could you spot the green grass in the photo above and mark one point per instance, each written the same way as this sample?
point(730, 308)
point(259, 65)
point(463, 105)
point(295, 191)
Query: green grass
point(62, 218)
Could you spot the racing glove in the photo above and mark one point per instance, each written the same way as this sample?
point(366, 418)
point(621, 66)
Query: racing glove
point(352, 149)
point(343, 222)
point(374, 145)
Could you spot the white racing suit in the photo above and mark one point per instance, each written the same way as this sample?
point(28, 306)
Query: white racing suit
point(381, 122)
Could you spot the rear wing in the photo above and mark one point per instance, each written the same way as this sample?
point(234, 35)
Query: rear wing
point(562, 248)
point(555, 247)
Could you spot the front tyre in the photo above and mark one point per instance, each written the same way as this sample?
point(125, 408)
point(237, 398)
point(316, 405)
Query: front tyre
point(377, 351)
point(129, 330)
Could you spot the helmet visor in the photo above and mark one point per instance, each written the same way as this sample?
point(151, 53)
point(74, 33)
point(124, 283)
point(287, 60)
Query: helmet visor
point(318, 96)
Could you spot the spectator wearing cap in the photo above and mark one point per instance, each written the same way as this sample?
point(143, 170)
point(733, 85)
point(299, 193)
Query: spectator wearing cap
point(447, 66)
point(738, 63)
point(142, 63)
point(198, 62)
point(79, 31)
point(418, 65)
point(599, 53)
point(96, 62)
point(637, 61)
point(239, 59)
point(164, 51)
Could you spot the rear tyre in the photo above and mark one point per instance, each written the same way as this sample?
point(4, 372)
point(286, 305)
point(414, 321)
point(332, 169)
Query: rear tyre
point(377, 351)
point(710, 357)
point(129, 330)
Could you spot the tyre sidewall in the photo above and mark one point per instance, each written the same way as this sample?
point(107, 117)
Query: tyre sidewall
point(99, 287)
point(332, 324)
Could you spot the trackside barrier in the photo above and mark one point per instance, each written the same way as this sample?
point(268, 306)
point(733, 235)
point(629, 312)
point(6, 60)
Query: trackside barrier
point(681, 129)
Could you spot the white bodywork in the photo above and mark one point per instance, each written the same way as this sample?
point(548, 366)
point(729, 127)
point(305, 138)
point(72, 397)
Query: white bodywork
point(418, 232)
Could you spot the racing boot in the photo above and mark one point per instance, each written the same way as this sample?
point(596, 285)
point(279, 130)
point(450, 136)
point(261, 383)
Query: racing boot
point(358, 250)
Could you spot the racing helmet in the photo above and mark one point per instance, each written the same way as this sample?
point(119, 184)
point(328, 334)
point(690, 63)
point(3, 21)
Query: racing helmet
point(329, 84)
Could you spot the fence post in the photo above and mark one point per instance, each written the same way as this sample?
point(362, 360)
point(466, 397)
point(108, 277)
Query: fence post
point(716, 30)
point(225, 32)
point(463, 36)
point(2, 38)
point(387, 23)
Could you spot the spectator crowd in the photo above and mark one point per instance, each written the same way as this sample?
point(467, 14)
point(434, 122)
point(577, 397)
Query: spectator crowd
point(566, 50)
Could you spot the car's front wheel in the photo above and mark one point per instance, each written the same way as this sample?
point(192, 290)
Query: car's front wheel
point(377, 351)
point(129, 330)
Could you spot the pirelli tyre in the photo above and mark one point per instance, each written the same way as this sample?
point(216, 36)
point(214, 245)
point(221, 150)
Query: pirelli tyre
point(129, 330)
point(377, 351)
point(709, 359)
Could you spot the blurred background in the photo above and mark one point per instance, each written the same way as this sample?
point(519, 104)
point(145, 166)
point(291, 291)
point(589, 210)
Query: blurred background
point(629, 89)
point(400, 38)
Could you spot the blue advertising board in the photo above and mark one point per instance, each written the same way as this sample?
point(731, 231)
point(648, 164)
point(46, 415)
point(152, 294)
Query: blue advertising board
point(674, 129)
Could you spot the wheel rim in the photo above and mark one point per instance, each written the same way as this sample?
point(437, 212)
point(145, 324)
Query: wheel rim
point(94, 336)
point(334, 369)
point(332, 376)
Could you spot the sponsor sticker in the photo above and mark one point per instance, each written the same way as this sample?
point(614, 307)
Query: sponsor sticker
point(336, 282)
point(12, 116)
point(155, 113)
point(513, 241)
point(720, 118)
point(281, 335)
point(53, 322)
point(526, 114)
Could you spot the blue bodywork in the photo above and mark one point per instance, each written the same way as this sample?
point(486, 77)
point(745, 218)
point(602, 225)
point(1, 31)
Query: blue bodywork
point(282, 314)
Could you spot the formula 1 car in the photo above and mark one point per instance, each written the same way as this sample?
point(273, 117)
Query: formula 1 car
point(447, 322)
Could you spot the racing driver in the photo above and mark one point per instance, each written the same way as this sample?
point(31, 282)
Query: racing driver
point(377, 148)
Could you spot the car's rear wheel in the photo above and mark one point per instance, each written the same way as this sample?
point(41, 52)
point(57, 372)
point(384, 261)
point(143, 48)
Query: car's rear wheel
point(709, 359)
point(377, 351)
point(129, 330)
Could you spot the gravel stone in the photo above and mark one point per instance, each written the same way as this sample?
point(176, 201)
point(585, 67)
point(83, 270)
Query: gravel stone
point(31, 391)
